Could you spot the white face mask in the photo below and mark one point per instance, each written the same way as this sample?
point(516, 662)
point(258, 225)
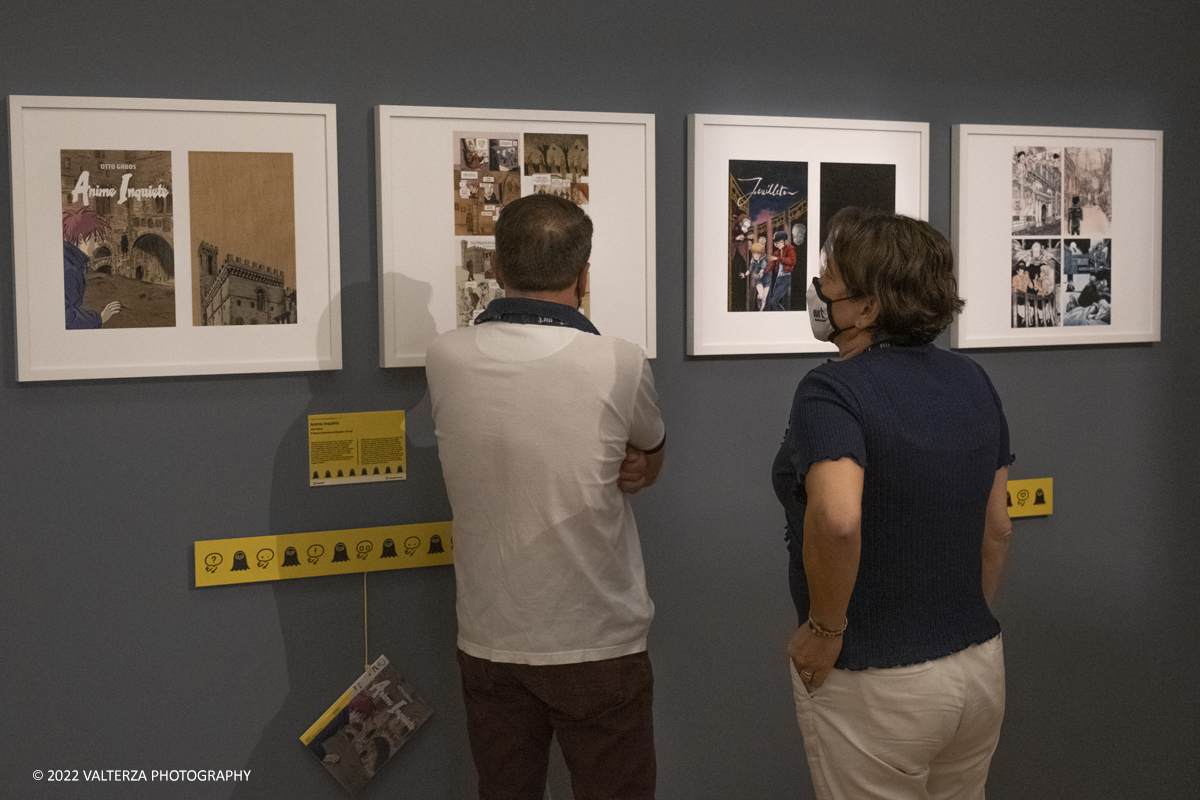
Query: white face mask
point(820, 313)
point(820, 307)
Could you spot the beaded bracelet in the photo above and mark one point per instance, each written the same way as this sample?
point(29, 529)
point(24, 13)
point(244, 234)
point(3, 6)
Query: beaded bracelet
point(828, 634)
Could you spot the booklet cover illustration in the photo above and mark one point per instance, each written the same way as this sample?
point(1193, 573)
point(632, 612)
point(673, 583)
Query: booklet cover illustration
point(372, 719)
point(118, 239)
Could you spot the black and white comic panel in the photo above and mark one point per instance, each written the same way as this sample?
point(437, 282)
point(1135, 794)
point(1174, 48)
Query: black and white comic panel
point(1037, 191)
point(1036, 276)
point(1087, 265)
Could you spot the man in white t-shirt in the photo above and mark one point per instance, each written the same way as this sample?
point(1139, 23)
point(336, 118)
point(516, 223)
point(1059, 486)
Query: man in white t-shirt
point(544, 427)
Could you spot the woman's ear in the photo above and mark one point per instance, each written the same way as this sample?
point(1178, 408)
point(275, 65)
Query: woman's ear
point(870, 312)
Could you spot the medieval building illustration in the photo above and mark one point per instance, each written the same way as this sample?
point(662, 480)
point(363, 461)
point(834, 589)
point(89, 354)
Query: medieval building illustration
point(1037, 191)
point(241, 292)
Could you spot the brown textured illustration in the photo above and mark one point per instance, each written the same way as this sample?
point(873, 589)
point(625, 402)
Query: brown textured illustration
point(243, 214)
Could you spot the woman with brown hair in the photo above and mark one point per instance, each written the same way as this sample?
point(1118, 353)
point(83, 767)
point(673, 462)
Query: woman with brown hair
point(893, 478)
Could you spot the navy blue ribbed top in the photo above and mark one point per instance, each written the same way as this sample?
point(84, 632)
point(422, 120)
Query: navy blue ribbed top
point(929, 432)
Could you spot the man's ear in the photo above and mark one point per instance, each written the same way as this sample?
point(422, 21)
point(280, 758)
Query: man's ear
point(499, 274)
point(581, 283)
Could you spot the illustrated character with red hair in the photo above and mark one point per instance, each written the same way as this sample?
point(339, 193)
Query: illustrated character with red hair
point(81, 224)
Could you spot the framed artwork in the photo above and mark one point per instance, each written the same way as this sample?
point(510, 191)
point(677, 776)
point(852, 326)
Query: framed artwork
point(173, 237)
point(761, 192)
point(1057, 235)
point(444, 176)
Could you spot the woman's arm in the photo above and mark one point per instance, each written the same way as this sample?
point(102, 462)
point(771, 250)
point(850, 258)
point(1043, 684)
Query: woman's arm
point(832, 542)
point(997, 528)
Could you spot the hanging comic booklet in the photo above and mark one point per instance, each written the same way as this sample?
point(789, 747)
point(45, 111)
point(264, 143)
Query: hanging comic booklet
point(367, 725)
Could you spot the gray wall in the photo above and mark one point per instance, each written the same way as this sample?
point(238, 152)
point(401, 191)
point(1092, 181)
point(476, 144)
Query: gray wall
point(111, 659)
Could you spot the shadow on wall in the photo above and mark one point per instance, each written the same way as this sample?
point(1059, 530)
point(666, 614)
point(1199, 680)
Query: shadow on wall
point(321, 619)
point(411, 300)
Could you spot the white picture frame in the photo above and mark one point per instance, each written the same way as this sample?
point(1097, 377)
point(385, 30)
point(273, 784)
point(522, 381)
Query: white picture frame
point(830, 148)
point(1106, 233)
point(165, 339)
point(419, 242)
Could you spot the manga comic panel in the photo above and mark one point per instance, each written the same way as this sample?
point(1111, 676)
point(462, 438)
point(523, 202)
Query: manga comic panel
point(867, 186)
point(1036, 277)
point(1037, 191)
point(1087, 189)
point(1087, 265)
point(502, 155)
point(768, 225)
point(473, 298)
point(475, 279)
point(560, 155)
point(486, 178)
point(118, 239)
point(243, 216)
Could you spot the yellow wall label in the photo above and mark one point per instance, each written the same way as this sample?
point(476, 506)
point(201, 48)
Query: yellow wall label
point(307, 555)
point(356, 448)
point(1031, 498)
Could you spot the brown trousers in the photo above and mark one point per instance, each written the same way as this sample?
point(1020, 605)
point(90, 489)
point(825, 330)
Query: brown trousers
point(600, 711)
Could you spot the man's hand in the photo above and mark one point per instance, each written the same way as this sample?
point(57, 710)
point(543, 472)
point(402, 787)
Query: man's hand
point(638, 470)
point(632, 477)
point(109, 310)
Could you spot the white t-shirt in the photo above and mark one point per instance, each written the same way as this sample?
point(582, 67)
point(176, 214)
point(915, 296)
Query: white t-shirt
point(532, 423)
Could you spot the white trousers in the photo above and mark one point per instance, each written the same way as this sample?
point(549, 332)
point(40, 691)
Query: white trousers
point(923, 732)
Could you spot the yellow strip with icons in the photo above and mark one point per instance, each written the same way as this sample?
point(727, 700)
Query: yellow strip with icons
point(252, 559)
point(1031, 498)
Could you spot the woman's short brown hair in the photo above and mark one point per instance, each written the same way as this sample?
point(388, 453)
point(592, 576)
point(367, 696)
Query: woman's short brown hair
point(905, 263)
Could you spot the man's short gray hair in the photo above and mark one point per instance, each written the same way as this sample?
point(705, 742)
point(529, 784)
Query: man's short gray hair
point(542, 243)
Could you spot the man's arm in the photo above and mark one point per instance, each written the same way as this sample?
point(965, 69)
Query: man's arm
point(997, 528)
point(832, 543)
point(639, 469)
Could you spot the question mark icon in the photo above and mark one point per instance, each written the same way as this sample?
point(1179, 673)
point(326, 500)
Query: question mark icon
point(212, 561)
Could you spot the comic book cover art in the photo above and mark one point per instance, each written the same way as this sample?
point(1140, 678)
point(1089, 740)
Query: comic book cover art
point(562, 156)
point(1037, 191)
point(1087, 190)
point(372, 720)
point(243, 238)
point(1036, 283)
point(768, 225)
point(475, 280)
point(118, 239)
point(486, 178)
point(1087, 265)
